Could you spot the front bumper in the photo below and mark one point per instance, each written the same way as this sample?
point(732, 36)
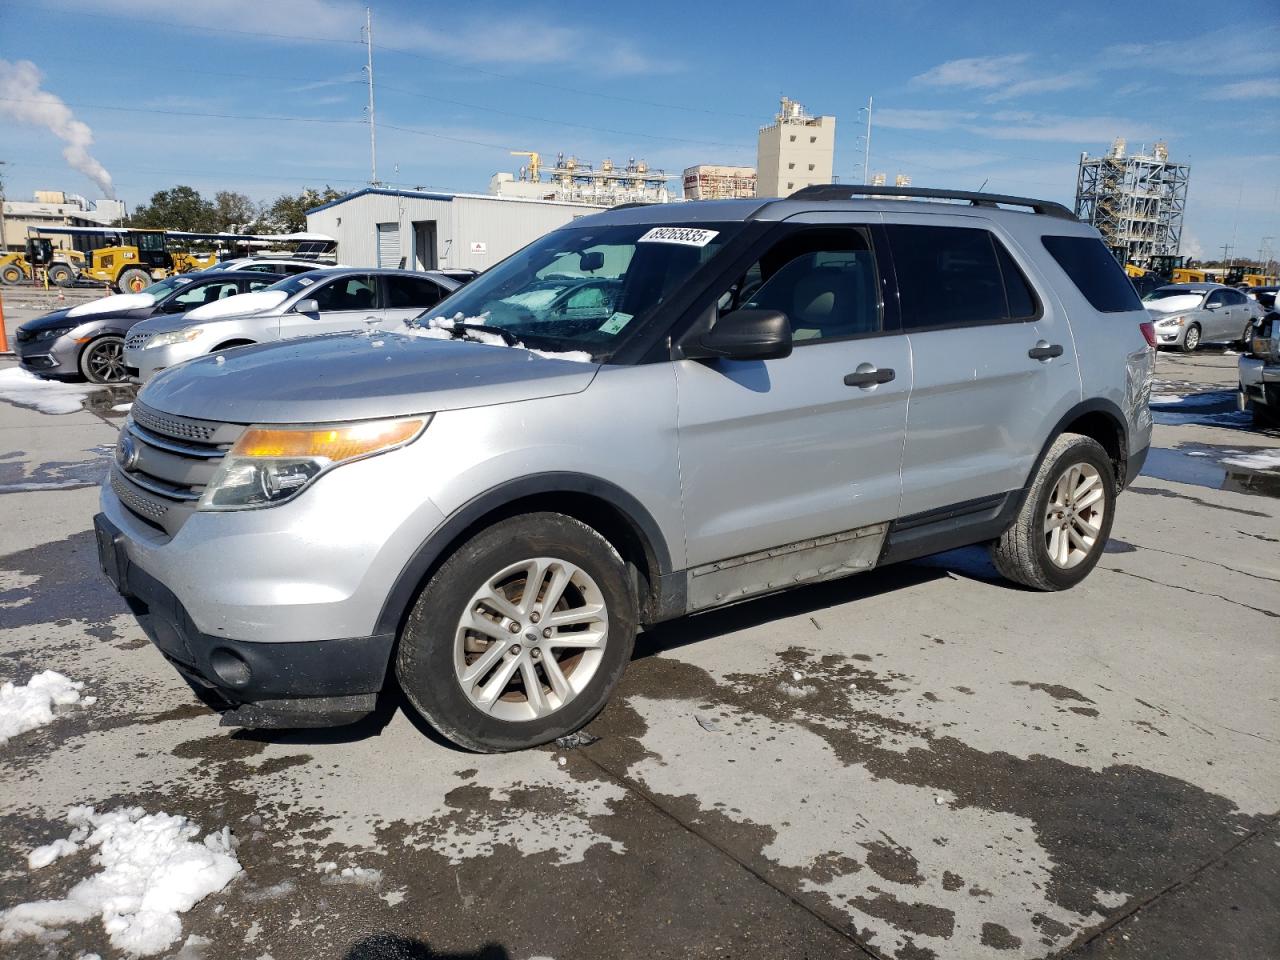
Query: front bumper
point(143, 364)
point(59, 357)
point(1170, 336)
point(260, 683)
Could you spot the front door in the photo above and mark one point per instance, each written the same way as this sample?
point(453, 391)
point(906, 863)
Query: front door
point(993, 362)
point(349, 302)
point(774, 453)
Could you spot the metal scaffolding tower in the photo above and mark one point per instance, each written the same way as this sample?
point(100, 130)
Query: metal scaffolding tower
point(1136, 202)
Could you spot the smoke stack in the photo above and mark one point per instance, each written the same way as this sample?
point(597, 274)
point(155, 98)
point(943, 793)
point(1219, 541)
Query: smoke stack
point(22, 99)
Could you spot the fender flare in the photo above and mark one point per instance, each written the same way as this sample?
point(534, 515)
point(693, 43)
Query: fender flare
point(1095, 405)
point(431, 551)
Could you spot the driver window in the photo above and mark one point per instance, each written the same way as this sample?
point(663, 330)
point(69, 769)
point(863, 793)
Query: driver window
point(824, 280)
point(1216, 299)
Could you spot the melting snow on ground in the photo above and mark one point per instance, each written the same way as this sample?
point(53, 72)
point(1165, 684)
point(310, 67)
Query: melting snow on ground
point(24, 708)
point(1191, 399)
point(1257, 460)
point(47, 396)
point(151, 868)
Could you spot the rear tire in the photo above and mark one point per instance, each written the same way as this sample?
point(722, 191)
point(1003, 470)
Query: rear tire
point(134, 280)
point(448, 670)
point(12, 274)
point(1065, 520)
point(61, 275)
point(1246, 336)
point(1191, 339)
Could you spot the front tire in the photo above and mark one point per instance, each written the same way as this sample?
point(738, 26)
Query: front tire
point(1065, 520)
point(134, 280)
point(1191, 339)
point(12, 275)
point(102, 361)
point(521, 635)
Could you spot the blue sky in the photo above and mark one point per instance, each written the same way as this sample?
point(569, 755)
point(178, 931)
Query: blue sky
point(1003, 93)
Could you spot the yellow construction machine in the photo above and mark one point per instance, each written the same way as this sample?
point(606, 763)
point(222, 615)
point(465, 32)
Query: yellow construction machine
point(141, 258)
point(61, 266)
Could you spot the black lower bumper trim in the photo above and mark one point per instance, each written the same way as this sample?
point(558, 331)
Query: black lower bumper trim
point(1134, 465)
point(337, 679)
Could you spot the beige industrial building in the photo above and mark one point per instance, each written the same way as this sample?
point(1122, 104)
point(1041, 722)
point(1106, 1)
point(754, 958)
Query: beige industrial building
point(710, 181)
point(53, 208)
point(378, 227)
point(795, 151)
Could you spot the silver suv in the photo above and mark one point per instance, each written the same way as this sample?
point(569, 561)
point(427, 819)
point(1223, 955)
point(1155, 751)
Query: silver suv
point(650, 412)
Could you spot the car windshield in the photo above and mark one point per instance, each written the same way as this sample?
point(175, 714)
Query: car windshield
point(1165, 292)
point(583, 288)
point(160, 290)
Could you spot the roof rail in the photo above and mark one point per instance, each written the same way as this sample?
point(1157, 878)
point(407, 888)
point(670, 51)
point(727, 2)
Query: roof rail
point(848, 191)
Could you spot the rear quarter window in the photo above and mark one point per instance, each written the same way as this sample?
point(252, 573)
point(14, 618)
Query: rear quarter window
point(1095, 273)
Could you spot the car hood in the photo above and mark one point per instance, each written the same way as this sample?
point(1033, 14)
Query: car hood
point(356, 377)
point(1181, 304)
point(118, 303)
point(68, 318)
point(56, 319)
point(238, 306)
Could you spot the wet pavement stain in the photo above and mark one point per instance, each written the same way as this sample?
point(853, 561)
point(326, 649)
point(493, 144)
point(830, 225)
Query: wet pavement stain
point(71, 585)
point(56, 474)
point(1120, 828)
point(1118, 546)
point(1157, 492)
point(1205, 465)
point(1055, 690)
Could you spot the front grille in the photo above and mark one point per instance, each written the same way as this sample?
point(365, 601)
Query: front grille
point(174, 459)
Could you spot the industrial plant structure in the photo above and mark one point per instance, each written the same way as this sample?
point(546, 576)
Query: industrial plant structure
point(572, 181)
point(711, 181)
point(1136, 202)
point(794, 151)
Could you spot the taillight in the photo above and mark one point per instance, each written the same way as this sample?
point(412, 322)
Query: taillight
point(1148, 331)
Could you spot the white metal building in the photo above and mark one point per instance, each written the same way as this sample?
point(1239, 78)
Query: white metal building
point(378, 227)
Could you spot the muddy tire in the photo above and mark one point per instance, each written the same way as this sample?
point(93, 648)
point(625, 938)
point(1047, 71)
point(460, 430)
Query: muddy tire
point(102, 361)
point(1065, 520)
point(134, 280)
point(1191, 339)
point(12, 274)
point(521, 635)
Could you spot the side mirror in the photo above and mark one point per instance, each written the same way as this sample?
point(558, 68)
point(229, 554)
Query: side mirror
point(592, 261)
point(309, 305)
point(743, 335)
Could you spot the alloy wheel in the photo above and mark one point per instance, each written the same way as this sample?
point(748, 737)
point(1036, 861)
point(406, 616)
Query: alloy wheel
point(1073, 518)
point(105, 361)
point(530, 639)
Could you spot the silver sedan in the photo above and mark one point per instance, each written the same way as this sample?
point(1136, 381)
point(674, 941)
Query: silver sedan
point(1188, 314)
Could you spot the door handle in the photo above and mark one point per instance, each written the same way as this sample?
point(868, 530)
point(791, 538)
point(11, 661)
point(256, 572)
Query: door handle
point(868, 378)
point(1045, 351)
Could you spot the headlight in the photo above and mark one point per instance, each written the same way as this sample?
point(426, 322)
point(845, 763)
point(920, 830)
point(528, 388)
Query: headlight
point(184, 335)
point(1171, 322)
point(53, 334)
point(269, 465)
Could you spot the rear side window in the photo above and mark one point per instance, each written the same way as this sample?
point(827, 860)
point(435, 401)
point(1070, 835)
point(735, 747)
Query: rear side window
point(1095, 272)
point(957, 277)
point(412, 292)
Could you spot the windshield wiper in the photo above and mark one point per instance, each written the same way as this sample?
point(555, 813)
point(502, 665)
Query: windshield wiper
point(459, 330)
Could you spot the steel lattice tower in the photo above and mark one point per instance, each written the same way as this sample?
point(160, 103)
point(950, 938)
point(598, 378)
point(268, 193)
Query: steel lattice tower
point(1136, 202)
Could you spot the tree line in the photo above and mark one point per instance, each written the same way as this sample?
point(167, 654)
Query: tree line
point(184, 208)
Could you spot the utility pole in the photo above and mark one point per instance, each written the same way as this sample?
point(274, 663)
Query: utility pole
point(866, 154)
point(4, 238)
point(373, 129)
point(1226, 248)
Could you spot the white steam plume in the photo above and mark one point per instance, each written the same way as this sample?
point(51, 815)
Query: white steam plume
point(22, 99)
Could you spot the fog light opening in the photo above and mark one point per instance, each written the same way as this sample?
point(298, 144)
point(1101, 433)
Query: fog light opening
point(230, 667)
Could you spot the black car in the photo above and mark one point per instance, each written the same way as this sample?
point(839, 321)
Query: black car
point(87, 340)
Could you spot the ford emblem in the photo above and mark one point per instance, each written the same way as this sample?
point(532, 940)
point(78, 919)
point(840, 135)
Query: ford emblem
point(127, 453)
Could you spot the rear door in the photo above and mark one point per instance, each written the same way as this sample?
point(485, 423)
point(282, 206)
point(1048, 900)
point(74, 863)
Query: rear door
point(993, 361)
point(776, 452)
point(348, 302)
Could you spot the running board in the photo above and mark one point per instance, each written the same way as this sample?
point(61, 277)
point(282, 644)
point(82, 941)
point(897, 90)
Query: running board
point(958, 525)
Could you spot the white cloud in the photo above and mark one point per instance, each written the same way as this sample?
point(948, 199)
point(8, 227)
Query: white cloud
point(514, 41)
point(1261, 89)
point(900, 119)
point(974, 73)
point(1050, 84)
point(1224, 52)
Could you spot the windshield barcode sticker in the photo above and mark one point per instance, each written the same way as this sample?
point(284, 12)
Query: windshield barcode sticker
point(687, 236)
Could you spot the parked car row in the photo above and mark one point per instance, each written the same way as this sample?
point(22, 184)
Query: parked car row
point(649, 412)
point(235, 303)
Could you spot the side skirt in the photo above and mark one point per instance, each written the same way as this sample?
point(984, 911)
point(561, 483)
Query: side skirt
point(959, 525)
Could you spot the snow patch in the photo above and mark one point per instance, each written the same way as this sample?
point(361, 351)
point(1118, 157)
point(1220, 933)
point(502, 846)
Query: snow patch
point(441, 328)
point(47, 396)
point(24, 708)
point(120, 301)
point(151, 870)
point(238, 306)
point(1257, 460)
point(122, 407)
